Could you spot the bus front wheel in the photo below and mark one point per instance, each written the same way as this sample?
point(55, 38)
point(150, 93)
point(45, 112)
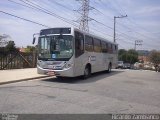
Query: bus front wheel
point(87, 72)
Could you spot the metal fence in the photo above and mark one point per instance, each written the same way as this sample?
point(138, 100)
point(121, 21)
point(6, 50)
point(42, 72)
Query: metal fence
point(17, 60)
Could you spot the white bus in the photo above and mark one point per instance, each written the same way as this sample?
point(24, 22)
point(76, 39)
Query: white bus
point(69, 52)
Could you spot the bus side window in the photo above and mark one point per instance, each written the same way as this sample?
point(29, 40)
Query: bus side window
point(97, 45)
point(104, 47)
point(115, 48)
point(111, 48)
point(79, 44)
point(107, 47)
point(88, 43)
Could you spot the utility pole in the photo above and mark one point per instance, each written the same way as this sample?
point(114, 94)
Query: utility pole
point(137, 43)
point(84, 11)
point(114, 37)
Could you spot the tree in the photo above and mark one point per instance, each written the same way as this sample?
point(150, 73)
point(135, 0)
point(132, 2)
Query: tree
point(10, 47)
point(133, 56)
point(30, 49)
point(121, 54)
point(130, 56)
point(4, 40)
point(154, 57)
point(133, 52)
point(121, 51)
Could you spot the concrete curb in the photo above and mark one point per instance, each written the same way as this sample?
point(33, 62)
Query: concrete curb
point(25, 79)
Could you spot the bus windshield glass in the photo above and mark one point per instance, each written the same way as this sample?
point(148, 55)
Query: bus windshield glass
point(56, 46)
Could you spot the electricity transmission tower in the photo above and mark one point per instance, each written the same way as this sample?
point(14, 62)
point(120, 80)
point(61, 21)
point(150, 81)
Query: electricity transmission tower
point(137, 43)
point(84, 11)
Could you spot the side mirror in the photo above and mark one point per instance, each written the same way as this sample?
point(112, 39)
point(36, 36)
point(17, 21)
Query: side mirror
point(34, 39)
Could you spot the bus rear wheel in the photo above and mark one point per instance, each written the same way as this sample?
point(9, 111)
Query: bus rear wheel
point(87, 72)
point(109, 68)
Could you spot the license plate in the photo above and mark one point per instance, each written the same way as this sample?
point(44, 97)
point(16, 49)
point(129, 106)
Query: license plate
point(51, 73)
point(50, 66)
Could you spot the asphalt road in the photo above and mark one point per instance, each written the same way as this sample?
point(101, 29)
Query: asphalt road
point(122, 91)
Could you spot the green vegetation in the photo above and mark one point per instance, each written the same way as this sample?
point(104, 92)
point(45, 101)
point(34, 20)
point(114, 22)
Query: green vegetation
point(10, 47)
point(30, 49)
point(6, 44)
point(130, 56)
point(154, 57)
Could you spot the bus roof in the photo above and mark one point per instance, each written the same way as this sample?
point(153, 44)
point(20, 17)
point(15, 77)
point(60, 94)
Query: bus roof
point(67, 30)
point(94, 36)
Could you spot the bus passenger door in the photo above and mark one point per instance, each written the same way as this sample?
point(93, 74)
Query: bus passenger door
point(79, 51)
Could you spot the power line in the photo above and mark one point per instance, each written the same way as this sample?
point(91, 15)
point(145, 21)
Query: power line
point(118, 24)
point(122, 32)
point(25, 19)
point(129, 42)
point(36, 9)
point(149, 38)
point(130, 21)
point(48, 12)
point(120, 7)
point(21, 4)
point(104, 4)
point(33, 7)
point(51, 12)
point(84, 15)
point(102, 12)
point(101, 33)
point(106, 25)
point(122, 46)
point(64, 18)
point(61, 5)
point(131, 37)
point(102, 24)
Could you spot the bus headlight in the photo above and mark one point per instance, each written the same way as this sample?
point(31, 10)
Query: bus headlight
point(68, 65)
point(39, 63)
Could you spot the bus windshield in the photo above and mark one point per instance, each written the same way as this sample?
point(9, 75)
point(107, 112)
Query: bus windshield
point(56, 46)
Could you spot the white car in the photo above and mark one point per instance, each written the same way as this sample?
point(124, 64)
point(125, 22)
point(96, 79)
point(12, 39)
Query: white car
point(120, 64)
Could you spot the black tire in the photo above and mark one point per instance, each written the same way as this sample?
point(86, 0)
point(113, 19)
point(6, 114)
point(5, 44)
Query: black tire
point(109, 68)
point(60, 78)
point(87, 72)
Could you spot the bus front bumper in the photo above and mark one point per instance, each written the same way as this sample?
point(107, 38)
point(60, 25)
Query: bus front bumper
point(67, 72)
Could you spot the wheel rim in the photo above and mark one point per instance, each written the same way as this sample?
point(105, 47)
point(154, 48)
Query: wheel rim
point(86, 72)
point(109, 68)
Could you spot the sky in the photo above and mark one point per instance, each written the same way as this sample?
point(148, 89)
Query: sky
point(142, 22)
